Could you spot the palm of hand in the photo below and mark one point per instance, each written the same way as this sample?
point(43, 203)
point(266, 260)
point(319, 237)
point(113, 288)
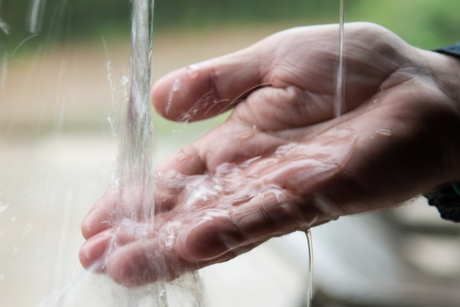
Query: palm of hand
point(280, 163)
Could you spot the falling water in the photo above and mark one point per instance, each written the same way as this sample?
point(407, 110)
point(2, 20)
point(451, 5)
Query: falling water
point(36, 13)
point(339, 107)
point(137, 148)
point(135, 164)
point(310, 269)
point(134, 172)
point(3, 25)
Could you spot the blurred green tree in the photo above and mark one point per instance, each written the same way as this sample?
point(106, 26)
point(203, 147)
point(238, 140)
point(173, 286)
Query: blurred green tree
point(425, 23)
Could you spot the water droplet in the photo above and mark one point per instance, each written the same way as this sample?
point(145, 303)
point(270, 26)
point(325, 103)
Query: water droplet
point(193, 71)
point(384, 132)
point(246, 135)
point(174, 89)
point(3, 208)
point(13, 219)
point(377, 101)
point(249, 162)
point(181, 156)
point(371, 136)
point(327, 206)
point(284, 149)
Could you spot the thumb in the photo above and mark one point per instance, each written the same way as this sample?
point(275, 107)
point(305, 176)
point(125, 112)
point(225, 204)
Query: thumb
point(209, 88)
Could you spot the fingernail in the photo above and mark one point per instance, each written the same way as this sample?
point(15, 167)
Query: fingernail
point(193, 71)
point(181, 156)
point(92, 252)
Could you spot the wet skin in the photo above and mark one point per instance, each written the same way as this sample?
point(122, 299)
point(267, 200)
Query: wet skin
point(396, 140)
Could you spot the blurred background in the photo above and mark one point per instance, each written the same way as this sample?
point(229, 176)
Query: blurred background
point(64, 66)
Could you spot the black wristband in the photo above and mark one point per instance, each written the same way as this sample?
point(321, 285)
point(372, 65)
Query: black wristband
point(453, 50)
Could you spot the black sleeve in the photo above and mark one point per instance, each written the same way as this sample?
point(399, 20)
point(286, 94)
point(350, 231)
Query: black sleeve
point(447, 201)
point(453, 50)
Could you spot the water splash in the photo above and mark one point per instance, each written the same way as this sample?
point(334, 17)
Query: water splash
point(92, 290)
point(112, 89)
point(4, 26)
point(310, 269)
point(137, 149)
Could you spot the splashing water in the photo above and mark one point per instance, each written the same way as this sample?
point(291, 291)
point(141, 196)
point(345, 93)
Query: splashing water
point(136, 160)
point(133, 173)
point(4, 26)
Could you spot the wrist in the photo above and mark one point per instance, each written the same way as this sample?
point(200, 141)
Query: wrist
point(444, 71)
point(445, 65)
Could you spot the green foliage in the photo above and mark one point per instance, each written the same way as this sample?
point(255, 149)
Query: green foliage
point(425, 23)
point(196, 13)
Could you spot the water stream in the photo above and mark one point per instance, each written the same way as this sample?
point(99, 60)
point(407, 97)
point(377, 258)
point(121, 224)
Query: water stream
point(310, 269)
point(339, 107)
point(134, 172)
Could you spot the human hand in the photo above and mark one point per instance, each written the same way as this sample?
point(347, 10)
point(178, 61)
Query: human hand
point(281, 162)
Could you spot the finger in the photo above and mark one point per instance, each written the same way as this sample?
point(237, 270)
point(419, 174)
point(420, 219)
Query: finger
point(144, 262)
point(267, 215)
point(100, 216)
point(206, 89)
point(95, 250)
point(173, 174)
point(266, 108)
point(301, 171)
point(116, 205)
point(92, 253)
